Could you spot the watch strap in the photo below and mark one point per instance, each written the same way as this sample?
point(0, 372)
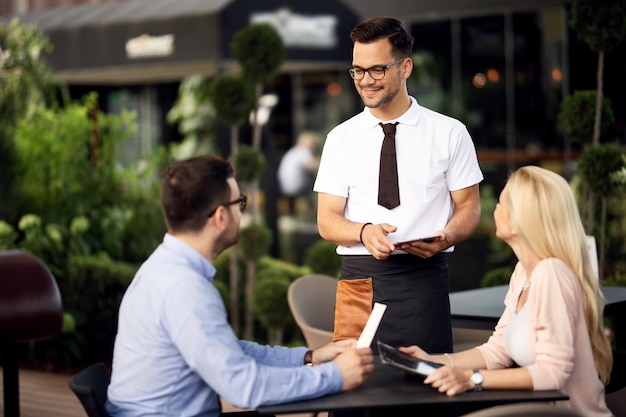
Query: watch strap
point(308, 358)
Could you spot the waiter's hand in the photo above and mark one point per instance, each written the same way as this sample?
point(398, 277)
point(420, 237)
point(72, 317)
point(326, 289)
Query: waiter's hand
point(426, 249)
point(375, 239)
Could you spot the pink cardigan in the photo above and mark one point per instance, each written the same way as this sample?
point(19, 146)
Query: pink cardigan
point(558, 337)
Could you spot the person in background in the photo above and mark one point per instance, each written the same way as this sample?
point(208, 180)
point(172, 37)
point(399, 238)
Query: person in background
point(551, 333)
point(438, 176)
point(175, 353)
point(297, 169)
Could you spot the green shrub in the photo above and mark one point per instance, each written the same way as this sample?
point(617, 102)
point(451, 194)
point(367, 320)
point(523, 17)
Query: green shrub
point(92, 295)
point(254, 241)
point(270, 301)
point(322, 258)
point(274, 266)
point(497, 276)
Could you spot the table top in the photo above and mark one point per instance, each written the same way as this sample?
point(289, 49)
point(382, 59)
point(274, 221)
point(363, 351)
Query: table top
point(389, 387)
point(481, 308)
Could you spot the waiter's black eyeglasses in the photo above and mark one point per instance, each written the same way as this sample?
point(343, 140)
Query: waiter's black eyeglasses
point(242, 201)
point(377, 72)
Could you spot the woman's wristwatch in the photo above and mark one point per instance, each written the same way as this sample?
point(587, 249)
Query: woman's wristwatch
point(477, 379)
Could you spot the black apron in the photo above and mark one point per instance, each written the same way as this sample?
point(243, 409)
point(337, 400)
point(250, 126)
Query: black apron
point(415, 291)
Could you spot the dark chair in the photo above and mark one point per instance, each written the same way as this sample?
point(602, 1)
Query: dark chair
point(90, 386)
point(30, 310)
point(616, 401)
point(616, 389)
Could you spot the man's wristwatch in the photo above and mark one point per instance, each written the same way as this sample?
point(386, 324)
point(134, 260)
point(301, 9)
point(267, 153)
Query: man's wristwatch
point(477, 379)
point(308, 358)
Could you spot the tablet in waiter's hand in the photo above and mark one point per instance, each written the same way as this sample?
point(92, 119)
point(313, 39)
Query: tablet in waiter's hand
point(390, 355)
point(426, 239)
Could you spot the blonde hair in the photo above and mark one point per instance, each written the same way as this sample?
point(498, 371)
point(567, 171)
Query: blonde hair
point(543, 211)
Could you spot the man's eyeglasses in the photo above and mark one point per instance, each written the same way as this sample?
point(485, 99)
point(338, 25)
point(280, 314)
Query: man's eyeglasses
point(377, 72)
point(242, 201)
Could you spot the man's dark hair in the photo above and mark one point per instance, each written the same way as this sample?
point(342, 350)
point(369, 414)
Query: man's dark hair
point(384, 27)
point(191, 188)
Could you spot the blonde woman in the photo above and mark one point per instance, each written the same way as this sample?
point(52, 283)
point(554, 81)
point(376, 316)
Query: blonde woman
point(550, 335)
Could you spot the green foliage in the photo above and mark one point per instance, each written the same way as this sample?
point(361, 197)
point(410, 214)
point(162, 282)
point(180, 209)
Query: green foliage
point(322, 258)
point(616, 231)
point(26, 81)
point(26, 84)
point(93, 292)
point(64, 172)
point(577, 114)
point(425, 67)
point(195, 116)
point(497, 276)
point(499, 251)
point(268, 268)
point(79, 203)
point(233, 98)
point(254, 241)
point(617, 280)
point(488, 201)
point(269, 302)
point(600, 166)
point(8, 236)
point(249, 164)
point(69, 177)
point(599, 23)
point(276, 267)
point(260, 51)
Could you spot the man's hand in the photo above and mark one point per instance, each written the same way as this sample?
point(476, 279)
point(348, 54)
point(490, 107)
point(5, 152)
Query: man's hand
point(355, 365)
point(330, 351)
point(375, 239)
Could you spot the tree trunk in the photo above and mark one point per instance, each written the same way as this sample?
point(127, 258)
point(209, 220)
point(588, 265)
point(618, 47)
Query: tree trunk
point(250, 281)
point(234, 290)
point(602, 239)
point(234, 141)
point(256, 126)
point(233, 263)
point(256, 215)
point(599, 96)
point(590, 216)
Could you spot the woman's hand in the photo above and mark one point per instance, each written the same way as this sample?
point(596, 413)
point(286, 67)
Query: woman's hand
point(450, 381)
point(416, 352)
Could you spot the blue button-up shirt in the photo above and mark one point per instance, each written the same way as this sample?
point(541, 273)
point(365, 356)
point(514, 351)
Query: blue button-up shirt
point(175, 352)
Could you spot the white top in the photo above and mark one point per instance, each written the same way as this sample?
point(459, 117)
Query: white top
point(293, 176)
point(515, 339)
point(435, 155)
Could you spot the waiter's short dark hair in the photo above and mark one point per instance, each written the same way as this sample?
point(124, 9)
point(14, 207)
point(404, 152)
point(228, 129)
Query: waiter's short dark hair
point(384, 27)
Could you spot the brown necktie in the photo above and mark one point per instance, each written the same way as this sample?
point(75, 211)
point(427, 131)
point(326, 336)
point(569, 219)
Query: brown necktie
point(388, 192)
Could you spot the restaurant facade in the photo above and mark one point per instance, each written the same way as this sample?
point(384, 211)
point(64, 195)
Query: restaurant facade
point(501, 66)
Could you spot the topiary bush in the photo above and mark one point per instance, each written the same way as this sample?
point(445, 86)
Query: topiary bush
point(322, 258)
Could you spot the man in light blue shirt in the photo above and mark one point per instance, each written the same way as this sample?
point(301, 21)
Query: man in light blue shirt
point(175, 352)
